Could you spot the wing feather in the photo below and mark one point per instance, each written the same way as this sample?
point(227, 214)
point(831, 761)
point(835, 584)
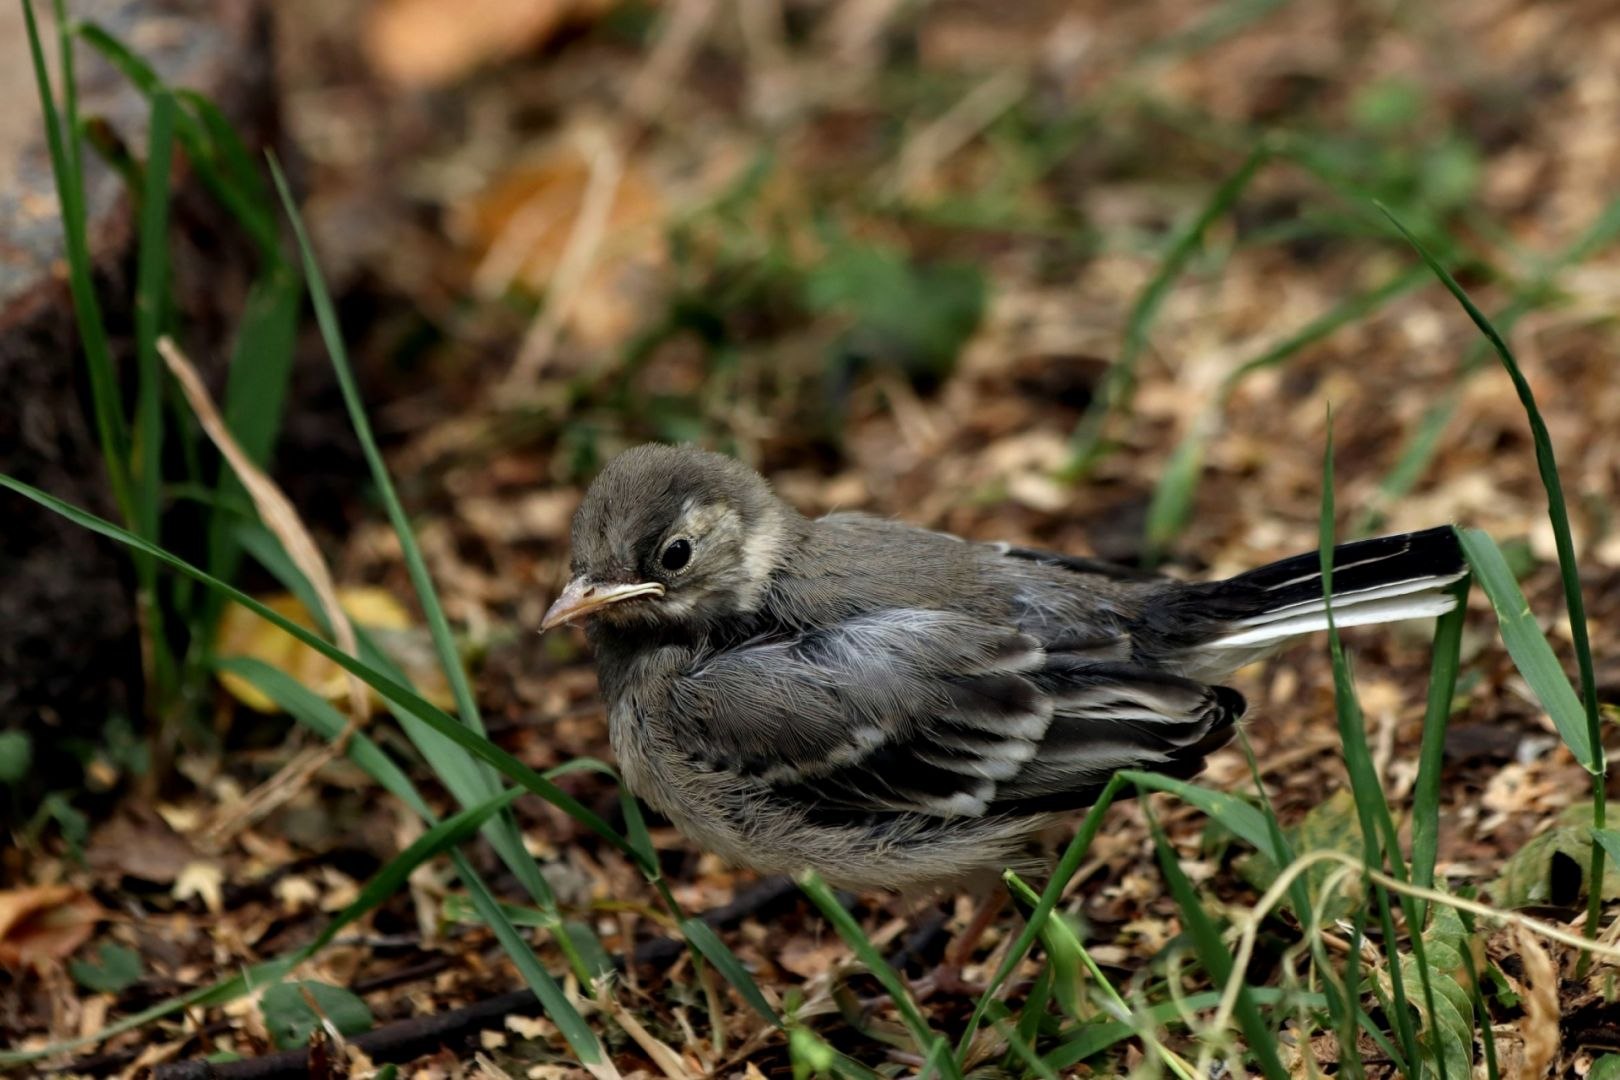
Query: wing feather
point(921, 712)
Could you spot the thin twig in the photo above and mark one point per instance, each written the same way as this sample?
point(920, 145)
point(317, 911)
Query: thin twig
point(678, 37)
point(579, 255)
point(927, 150)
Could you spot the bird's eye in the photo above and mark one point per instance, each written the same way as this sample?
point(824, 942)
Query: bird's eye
point(676, 554)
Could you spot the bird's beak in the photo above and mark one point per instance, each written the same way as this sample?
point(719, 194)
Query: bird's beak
point(582, 596)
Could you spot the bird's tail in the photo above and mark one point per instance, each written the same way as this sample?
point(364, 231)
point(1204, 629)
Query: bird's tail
point(1374, 581)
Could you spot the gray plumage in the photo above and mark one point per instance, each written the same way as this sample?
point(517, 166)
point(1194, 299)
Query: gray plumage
point(899, 708)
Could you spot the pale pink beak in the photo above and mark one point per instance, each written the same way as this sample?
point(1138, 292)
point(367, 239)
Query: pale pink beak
point(582, 596)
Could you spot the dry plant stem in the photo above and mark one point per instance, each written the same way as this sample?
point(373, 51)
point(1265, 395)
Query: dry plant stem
point(584, 241)
point(930, 147)
point(684, 25)
point(283, 521)
point(663, 1055)
point(853, 31)
point(515, 243)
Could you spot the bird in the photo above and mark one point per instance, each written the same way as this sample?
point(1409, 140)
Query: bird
point(901, 709)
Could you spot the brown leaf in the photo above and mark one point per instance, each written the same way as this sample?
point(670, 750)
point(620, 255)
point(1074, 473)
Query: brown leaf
point(44, 924)
point(526, 229)
point(428, 42)
point(139, 844)
point(1539, 992)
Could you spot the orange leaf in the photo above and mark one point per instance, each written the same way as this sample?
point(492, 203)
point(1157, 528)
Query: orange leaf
point(430, 42)
point(44, 924)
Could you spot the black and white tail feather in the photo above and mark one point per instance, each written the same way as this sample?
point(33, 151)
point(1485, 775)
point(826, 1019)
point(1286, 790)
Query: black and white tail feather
point(1385, 579)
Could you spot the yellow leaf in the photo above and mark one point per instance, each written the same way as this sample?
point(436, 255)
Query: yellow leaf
point(242, 633)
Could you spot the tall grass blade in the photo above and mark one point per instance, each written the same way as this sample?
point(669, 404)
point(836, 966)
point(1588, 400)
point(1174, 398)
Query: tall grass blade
point(151, 309)
point(1569, 571)
point(1447, 651)
point(1062, 874)
point(1557, 509)
point(62, 140)
point(929, 1043)
point(1371, 806)
point(1414, 460)
point(1114, 394)
point(1216, 958)
point(504, 833)
point(318, 714)
point(394, 691)
point(1528, 646)
point(212, 146)
point(708, 943)
point(255, 396)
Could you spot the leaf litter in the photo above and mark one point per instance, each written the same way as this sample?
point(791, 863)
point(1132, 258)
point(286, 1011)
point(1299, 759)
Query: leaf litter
point(925, 348)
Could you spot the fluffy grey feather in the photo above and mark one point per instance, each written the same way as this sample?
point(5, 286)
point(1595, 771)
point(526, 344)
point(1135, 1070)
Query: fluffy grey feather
point(898, 708)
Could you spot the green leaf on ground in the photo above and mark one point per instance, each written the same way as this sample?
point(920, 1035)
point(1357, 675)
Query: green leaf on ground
point(291, 1019)
point(115, 968)
point(1331, 825)
point(1551, 868)
point(1448, 1035)
point(16, 756)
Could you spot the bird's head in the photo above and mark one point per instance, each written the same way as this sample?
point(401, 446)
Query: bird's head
point(672, 535)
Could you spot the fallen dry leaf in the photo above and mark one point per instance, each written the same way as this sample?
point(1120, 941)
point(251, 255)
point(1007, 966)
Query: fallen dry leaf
point(428, 43)
point(205, 881)
point(1539, 1026)
point(242, 633)
point(44, 924)
point(139, 844)
point(521, 229)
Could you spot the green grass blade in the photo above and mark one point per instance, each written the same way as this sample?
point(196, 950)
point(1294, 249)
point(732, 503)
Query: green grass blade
point(459, 771)
point(929, 1043)
point(62, 139)
point(242, 192)
point(1062, 874)
point(321, 716)
point(1431, 756)
point(1114, 394)
point(1216, 958)
point(255, 395)
point(151, 309)
point(1372, 808)
point(1026, 1053)
point(510, 840)
point(1557, 510)
point(1528, 646)
point(1420, 449)
point(416, 566)
point(708, 943)
point(1568, 569)
point(1245, 821)
point(151, 305)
